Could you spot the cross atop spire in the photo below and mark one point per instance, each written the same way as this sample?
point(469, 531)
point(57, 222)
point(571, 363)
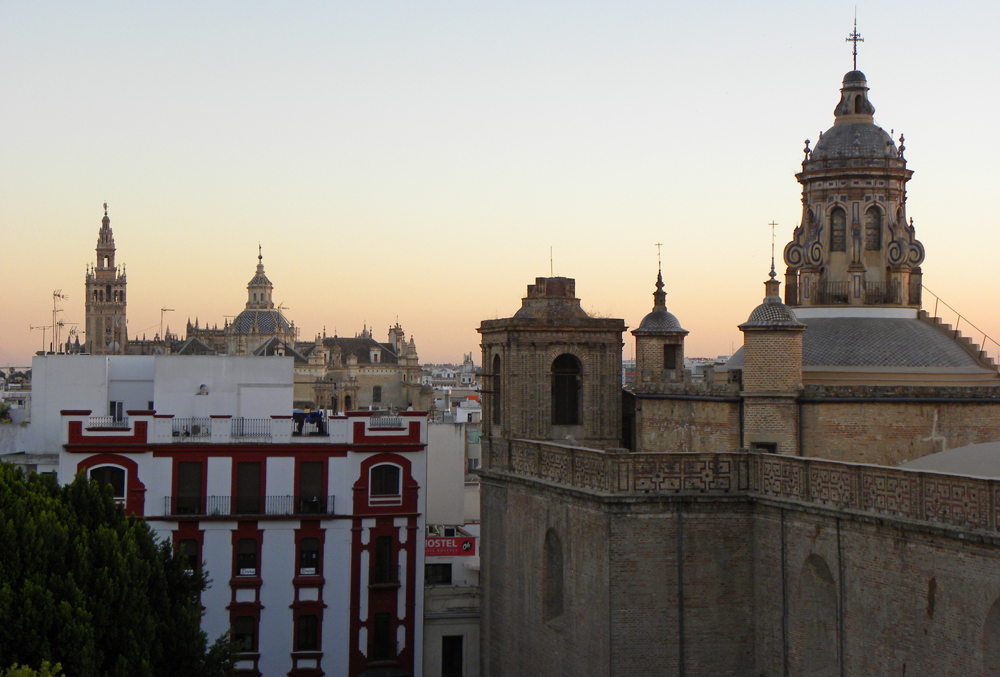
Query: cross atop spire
point(260, 253)
point(659, 263)
point(855, 37)
point(105, 208)
point(773, 224)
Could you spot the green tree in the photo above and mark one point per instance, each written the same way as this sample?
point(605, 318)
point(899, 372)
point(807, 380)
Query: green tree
point(84, 585)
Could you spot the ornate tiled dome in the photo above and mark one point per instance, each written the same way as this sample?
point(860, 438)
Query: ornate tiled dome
point(659, 320)
point(772, 313)
point(854, 132)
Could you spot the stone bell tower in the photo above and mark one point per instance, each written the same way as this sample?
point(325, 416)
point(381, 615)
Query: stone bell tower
point(107, 333)
point(552, 372)
point(854, 245)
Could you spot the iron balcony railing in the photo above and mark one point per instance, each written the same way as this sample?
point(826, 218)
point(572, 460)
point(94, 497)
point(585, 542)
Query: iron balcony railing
point(192, 429)
point(833, 293)
point(251, 429)
point(108, 422)
point(881, 293)
point(211, 506)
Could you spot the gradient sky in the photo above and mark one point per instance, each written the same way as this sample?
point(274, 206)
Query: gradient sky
point(418, 160)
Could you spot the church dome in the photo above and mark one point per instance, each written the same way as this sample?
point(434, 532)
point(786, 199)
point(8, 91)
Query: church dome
point(259, 321)
point(854, 132)
point(771, 313)
point(855, 139)
point(659, 321)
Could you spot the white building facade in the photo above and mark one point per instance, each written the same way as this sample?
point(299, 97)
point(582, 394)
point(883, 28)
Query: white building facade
point(312, 532)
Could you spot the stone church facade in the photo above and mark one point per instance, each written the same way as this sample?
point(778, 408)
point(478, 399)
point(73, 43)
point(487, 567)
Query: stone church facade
point(755, 524)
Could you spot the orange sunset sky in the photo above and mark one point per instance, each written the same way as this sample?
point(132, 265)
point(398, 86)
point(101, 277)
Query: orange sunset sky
point(416, 161)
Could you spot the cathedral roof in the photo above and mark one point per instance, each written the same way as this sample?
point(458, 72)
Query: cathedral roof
point(259, 321)
point(361, 349)
point(875, 342)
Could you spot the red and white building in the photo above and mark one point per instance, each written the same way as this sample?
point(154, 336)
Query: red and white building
point(311, 531)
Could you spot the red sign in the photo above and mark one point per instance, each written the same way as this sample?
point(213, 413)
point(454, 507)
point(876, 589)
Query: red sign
point(454, 546)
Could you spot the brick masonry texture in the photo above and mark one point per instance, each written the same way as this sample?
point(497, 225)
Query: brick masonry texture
point(786, 562)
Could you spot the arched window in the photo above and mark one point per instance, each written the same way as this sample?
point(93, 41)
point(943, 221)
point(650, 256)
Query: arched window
point(838, 230)
point(552, 576)
point(385, 480)
point(347, 402)
point(111, 475)
point(566, 390)
point(873, 229)
point(497, 385)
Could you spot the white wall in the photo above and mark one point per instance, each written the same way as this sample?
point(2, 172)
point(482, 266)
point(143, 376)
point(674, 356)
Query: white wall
point(253, 387)
point(445, 473)
point(64, 382)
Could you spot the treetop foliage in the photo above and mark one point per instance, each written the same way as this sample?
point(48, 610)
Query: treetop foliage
point(83, 585)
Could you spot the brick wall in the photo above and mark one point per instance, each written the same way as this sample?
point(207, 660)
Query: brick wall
point(815, 565)
point(889, 433)
point(772, 360)
point(673, 425)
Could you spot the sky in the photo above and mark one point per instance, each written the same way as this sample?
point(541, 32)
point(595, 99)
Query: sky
point(418, 162)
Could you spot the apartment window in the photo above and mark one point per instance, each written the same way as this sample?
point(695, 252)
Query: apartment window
point(189, 488)
point(376, 393)
point(437, 574)
point(566, 390)
point(116, 410)
point(110, 475)
point(385, 480)
point(382, 645)
point(451, 656)
point(245, 633)
point(248, 477)
point(307, 633)
point(309, 557)
point(246, 557)
point(311, 492)
point(187, 552)
point(382, 571)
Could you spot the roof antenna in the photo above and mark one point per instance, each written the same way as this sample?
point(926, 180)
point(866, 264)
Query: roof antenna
point(855, 37)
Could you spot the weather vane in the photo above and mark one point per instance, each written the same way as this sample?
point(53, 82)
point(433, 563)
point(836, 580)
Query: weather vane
point(659, 263)
point(855, 37)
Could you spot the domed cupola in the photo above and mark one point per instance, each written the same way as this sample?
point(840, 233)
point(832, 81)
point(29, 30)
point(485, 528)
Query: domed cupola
point(855, 245)
point(659, 342)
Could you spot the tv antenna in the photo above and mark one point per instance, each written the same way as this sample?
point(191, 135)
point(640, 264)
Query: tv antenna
point(57, 296)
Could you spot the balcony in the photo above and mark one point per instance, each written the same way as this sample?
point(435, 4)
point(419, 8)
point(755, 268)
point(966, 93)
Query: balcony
point(833, 293)
point(881, 293)
point(108, 422)
point(192, 429)
point(225, 506)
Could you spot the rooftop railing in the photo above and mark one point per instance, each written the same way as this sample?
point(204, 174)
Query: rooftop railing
point(251, 429)
point(192, 429)
point(108, 422)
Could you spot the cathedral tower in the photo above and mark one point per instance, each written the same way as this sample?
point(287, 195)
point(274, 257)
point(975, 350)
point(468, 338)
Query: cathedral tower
point(107, 333)
point(854, 245)
point(552, 371)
